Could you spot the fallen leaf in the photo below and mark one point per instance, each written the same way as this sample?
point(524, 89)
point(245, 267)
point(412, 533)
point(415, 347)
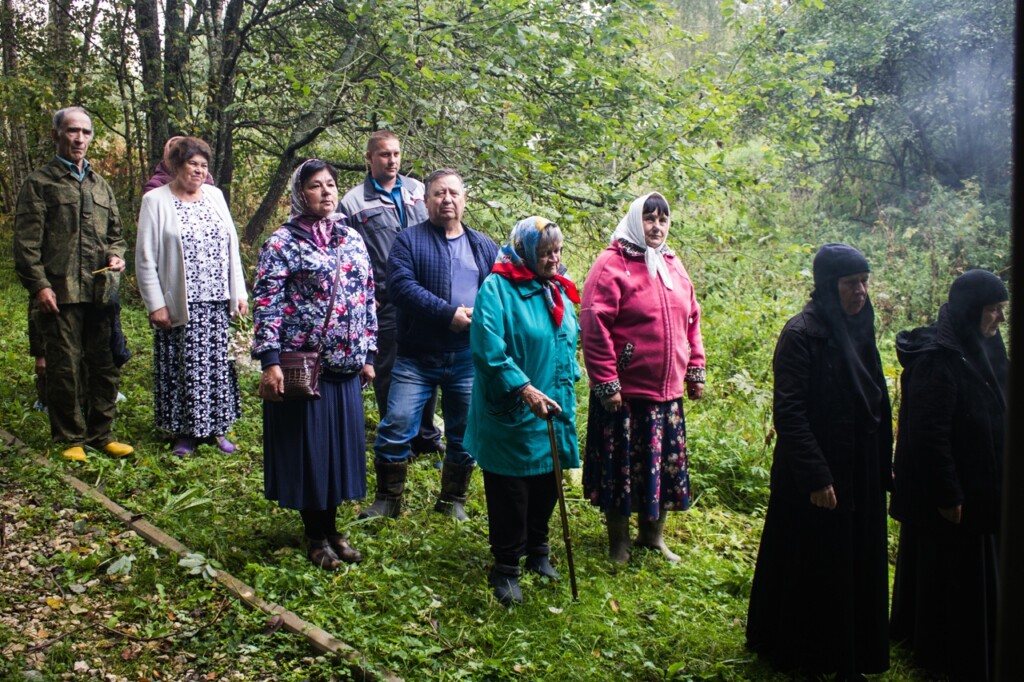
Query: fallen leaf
point(614, 603)
point(54, 602)
point(122, 566)
point(554, 609)
point(129, 654)
point(77, 588)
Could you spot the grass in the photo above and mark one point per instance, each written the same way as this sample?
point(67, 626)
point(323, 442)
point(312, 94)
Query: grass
point(419, 605)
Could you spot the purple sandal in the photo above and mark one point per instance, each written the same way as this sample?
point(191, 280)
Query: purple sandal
point(183, 447)
point(224, 445)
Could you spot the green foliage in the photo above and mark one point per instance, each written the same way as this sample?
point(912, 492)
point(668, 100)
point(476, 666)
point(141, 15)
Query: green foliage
point(938, 78)
point(918, 246)
point(561, 108)
point(197, 564)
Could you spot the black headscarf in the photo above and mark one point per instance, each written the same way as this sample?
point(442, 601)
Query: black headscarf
point(968, 295)
point(854, 334)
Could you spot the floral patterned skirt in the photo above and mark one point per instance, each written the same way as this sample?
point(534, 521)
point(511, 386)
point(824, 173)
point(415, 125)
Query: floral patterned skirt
point(635, 459)
point(195, 388)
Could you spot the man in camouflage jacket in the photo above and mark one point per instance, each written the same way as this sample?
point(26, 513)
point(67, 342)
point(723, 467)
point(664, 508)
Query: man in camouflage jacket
point(69, 253)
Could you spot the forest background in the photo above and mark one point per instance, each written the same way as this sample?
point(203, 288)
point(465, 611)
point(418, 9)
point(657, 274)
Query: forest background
point(771, 126)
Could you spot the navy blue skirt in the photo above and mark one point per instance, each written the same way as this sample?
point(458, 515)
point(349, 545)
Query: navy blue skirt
point(314, 452)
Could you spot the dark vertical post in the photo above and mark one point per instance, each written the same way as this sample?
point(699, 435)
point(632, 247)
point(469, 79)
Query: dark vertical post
point(1009, 662)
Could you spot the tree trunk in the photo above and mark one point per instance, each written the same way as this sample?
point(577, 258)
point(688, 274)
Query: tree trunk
point(310, 125)
point(153, 101)
point(83, 60)
point(257, 223)
point(13, 127)
point(225, 43)
point(129, 104)
point(60, 32)
point(176, 59)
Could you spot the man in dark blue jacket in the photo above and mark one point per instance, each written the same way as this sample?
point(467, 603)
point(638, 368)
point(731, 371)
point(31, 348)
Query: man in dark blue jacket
point(433, 274)
point(381, 206)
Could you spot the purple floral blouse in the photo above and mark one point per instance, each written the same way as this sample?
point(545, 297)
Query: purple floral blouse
point(293, 286)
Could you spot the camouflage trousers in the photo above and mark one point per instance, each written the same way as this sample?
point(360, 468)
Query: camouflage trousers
point(81, 377)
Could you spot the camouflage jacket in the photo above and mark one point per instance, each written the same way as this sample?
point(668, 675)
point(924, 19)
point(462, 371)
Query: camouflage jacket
point(64, 230)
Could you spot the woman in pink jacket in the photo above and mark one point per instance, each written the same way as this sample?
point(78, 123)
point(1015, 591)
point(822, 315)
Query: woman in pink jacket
point(640, 325)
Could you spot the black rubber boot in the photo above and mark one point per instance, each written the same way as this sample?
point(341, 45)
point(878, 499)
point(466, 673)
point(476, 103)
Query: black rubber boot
point(537, 561)
point(390, 486)
point(504, 579)
point(454, 484)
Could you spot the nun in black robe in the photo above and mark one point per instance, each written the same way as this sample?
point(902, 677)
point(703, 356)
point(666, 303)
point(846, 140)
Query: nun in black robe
point(820, 594)
point(948, 485)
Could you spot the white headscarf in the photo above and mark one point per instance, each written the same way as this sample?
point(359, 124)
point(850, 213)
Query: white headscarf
point(631, 228)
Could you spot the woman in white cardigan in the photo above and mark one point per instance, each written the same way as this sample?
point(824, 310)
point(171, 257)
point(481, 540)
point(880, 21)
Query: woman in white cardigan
point(190, 276)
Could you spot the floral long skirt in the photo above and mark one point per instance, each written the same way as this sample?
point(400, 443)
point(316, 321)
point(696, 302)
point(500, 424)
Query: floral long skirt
point(635, 459)
point(195, 388)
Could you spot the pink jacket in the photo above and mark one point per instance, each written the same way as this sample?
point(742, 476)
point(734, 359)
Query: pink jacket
point(639, 338)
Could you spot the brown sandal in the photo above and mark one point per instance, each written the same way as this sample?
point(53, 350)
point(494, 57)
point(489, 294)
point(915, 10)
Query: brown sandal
point(322, 555)
point(343, 550)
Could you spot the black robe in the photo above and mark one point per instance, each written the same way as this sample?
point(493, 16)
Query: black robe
point(819, 600)
point(949, 452)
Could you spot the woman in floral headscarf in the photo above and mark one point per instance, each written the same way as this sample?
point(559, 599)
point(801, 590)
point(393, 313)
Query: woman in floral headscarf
point(523, 339)
point(314, 452)
point(642, 346)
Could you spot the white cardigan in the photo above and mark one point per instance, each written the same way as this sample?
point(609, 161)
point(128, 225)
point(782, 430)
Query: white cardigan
point(160, 260)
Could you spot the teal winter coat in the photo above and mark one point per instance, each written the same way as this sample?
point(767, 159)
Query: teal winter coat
point(514, 341)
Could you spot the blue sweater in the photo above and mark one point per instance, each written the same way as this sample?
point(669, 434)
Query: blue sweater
point(419, 285)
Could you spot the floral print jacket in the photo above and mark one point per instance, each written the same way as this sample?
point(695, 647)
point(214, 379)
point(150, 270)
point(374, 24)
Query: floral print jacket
point(291, 292)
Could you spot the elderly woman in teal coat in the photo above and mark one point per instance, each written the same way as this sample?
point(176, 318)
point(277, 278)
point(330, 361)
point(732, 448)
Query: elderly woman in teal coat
point(523, 338)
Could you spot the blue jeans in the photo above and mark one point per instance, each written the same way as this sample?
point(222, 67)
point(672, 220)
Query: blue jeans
point(413, 381)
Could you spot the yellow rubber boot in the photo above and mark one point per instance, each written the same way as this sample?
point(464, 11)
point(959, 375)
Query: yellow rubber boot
point(75, 454)
point(115, 449)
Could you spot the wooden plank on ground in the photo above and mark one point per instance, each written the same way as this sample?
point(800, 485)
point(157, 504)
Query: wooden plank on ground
point(319, 639)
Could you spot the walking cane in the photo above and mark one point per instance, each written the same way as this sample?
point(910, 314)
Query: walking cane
point(561, 506)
